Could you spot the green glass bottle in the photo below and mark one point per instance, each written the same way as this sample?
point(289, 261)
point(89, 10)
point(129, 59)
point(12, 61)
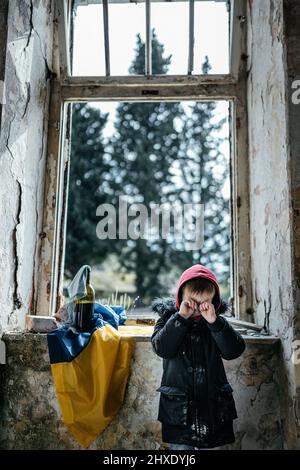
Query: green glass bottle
point(84, 307)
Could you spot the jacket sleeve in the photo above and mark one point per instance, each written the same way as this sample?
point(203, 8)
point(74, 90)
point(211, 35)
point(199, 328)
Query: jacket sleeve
point(168, 334)
point(230, 343)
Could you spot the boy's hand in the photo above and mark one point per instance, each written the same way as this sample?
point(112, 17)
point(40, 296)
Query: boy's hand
point(208, 312)
point(187, 308)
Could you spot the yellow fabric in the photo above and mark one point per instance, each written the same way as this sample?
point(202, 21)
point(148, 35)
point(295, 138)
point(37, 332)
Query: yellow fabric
point(91, 389)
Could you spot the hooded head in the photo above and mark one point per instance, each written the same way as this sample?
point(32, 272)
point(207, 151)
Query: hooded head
point(198, 271)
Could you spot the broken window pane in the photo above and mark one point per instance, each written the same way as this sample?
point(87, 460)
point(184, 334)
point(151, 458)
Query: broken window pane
point(170, 30)
point(88, 41)
point(170, 21)
point(211, 37)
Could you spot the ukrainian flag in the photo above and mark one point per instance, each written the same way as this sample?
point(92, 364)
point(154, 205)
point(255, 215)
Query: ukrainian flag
point(90, 371)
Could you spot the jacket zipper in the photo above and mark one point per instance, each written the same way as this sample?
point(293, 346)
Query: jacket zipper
point(194, 389)
point(197, 424)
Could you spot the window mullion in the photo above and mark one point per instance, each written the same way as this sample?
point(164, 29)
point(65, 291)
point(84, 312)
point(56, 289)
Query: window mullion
point(106, 37)
point(64, 47)
point(191, 36)
point(148, 51)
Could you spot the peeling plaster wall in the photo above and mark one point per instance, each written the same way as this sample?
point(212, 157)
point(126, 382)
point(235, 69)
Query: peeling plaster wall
point(291, 12)
point(268, 166)
point(30, 417)
point(22, 153)
point(270, 200)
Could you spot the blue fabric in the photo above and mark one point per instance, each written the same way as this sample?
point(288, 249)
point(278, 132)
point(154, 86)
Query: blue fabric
point(113, 314)
point(65, 343)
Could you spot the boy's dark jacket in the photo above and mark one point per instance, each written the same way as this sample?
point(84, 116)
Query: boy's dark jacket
point(196, 404)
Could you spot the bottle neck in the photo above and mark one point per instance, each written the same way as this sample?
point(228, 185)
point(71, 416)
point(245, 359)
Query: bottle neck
point(88, 277)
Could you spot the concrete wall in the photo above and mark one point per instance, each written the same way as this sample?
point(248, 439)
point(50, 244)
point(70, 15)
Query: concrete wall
point(30, 416)
point(22, 154)
point(271, 214)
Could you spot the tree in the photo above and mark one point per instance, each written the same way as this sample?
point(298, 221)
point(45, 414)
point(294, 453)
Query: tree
point(89, 173)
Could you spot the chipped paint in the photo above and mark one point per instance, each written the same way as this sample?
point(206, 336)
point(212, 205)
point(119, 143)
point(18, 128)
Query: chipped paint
point(273, 234)
point(22, 155)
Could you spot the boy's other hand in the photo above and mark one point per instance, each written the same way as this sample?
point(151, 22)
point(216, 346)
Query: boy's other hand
point(208, 312)
point(187, 308)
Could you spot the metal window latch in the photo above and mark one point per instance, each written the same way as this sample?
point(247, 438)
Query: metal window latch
point(242, 18)
point(150, 92)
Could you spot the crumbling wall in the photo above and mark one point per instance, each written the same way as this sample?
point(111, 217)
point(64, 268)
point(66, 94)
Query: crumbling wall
point(272, 236)
point(22, 153)
point(30, 417)
point(268, 166)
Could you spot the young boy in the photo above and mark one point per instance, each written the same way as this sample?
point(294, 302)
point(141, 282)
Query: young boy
point(196, 406)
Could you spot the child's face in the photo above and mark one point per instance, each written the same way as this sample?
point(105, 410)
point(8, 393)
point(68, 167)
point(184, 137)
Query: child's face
point(198, 297)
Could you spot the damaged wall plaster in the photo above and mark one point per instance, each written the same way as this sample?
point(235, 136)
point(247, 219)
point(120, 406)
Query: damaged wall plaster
point(30, 417)
point(270, 199)
point(22, 154)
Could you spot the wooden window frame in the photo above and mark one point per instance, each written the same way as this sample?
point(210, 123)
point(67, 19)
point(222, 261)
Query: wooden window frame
point(67, 89)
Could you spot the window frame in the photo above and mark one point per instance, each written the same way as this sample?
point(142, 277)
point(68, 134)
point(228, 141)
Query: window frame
point(66, 89)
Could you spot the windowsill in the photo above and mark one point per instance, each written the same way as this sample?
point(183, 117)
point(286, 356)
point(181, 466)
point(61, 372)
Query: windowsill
point(23, 341)
point(142, 329)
